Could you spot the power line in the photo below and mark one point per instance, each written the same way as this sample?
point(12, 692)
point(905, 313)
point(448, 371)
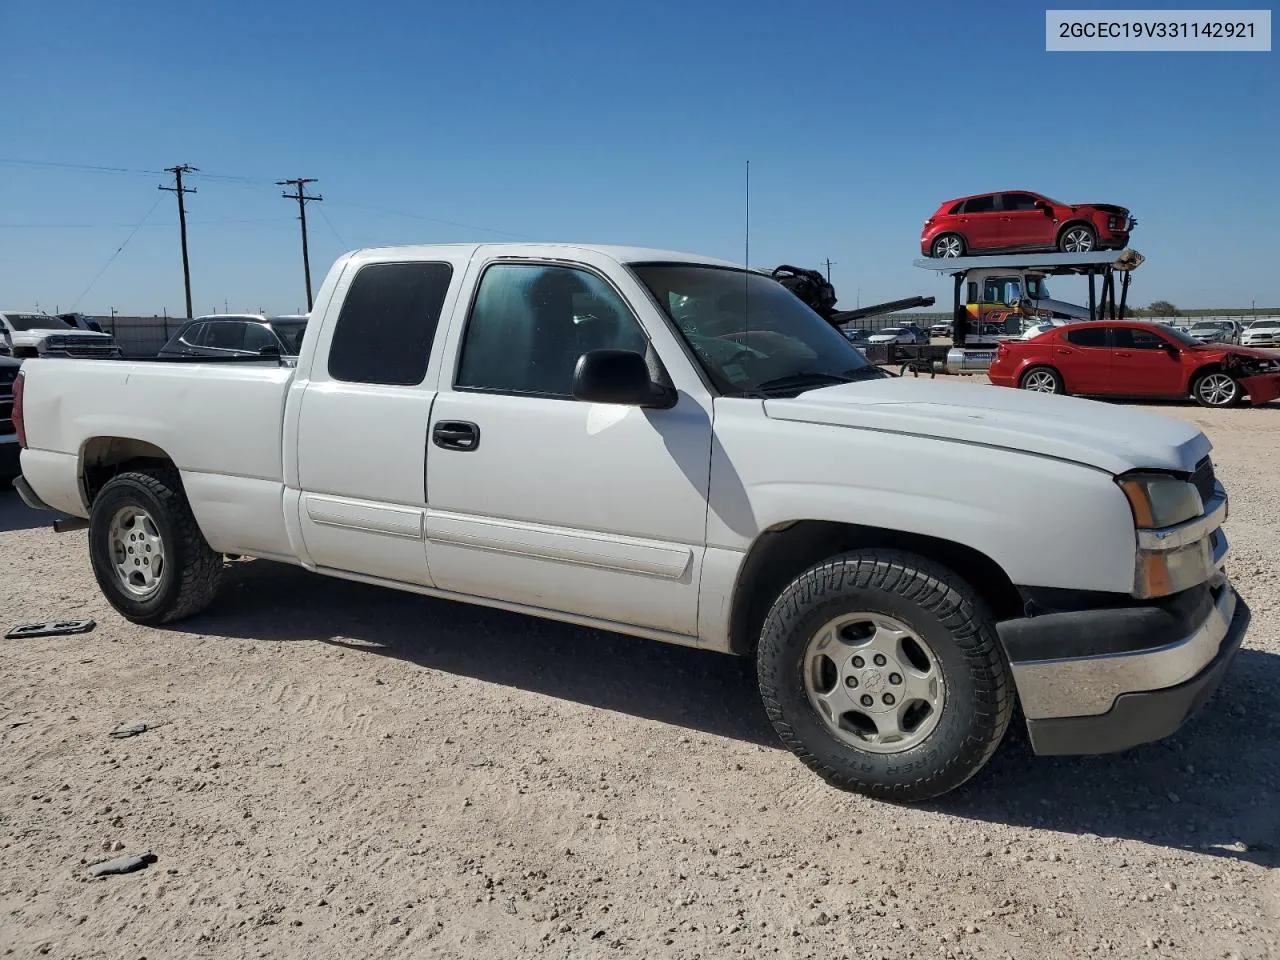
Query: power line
point(85, 167)
point(180, 190)
point(302, 198)
point(829, 262)
point(325, 217)
point(111, 260)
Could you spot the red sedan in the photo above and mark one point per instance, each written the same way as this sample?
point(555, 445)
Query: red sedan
point(1135, 359)
point(1021, 220)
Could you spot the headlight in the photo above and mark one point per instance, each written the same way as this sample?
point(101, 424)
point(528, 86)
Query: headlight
point(1159, 500)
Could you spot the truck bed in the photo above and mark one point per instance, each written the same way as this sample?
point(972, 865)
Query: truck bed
point(219, 422)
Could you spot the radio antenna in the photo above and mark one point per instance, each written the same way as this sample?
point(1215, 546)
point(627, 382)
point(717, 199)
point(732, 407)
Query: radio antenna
point(746, 258)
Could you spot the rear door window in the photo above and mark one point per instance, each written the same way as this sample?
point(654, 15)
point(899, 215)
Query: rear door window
point(224, 334)
point(1127, 338)
point(1087, 337)
point(985, 204)
point(388, 323)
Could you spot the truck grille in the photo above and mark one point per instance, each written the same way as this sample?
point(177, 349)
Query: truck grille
point(85, 347)
point(1203, 479)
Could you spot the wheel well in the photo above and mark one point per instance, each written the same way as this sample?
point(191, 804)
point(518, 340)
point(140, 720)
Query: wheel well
point(1036, 365)
point(1214, 367)
point(1076, 223)
point(949, 233)
point(779, 555)
point(105, 457)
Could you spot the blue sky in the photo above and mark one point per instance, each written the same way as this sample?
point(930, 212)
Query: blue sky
point(609, 122)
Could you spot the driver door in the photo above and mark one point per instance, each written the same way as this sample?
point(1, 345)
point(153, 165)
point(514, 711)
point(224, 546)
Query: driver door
point(537, 499)
point(1145, 363)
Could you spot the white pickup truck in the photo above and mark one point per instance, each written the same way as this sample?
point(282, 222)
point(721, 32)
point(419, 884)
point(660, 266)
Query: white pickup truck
point(673, 447)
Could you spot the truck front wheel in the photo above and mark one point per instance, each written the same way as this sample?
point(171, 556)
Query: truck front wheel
point(149, 557)
point(882, 672)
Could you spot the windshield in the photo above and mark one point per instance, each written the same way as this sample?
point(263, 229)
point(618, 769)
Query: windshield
point(34, 321)
point(1273, 322)
point(1207, 325)
point(290, 333)
point(892, 331)
point(1179, 335)
point(749, 333)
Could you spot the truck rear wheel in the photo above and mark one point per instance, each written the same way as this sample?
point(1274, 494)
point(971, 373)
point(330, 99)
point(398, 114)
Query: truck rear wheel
point(149, 557)
point(882, 672)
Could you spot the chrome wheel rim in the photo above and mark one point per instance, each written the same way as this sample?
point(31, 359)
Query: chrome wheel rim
point(1040, 381)
point(1078, 240)
point(1218, 389)
point(137, 552)
point(947, 247)
point(874, 683)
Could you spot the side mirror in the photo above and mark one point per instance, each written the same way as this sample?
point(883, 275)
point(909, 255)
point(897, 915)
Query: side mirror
point(619, 376)
point(270, 350)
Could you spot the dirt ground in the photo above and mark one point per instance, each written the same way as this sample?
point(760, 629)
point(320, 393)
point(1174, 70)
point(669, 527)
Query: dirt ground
point(343, 771)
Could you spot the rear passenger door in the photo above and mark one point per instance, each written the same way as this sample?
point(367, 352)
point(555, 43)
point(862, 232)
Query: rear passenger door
point(981, 223)
point(361, 433)
point(1084, 356)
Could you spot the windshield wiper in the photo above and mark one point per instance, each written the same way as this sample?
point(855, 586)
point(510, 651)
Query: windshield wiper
point(803, 379)
point(812, 378)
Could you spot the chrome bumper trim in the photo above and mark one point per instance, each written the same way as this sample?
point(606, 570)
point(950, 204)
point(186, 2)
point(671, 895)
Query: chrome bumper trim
point(1184, 534)
point(1088, 686)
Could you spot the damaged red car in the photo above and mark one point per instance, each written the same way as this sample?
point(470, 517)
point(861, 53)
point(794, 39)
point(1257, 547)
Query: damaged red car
point(1132, 358)
point(1019, 220)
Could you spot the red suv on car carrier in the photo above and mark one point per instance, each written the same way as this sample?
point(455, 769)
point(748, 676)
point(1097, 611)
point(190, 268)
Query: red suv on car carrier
point(1131, 358)
point(1023, 221)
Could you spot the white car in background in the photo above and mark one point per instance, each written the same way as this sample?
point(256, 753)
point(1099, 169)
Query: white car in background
point(1262, 333)
point(893, 335)
point(1215, 331)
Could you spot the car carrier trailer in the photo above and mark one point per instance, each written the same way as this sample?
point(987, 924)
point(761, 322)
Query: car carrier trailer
point(970, 353)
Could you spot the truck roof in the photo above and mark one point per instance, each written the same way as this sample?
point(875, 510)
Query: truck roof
point(619, 253)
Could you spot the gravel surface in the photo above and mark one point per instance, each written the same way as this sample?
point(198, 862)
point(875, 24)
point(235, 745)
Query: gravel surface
point(335, 770)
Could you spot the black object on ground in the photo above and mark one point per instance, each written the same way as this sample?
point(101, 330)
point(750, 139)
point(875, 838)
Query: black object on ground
point(130, 730)
point(122, 865)
point(49, 628)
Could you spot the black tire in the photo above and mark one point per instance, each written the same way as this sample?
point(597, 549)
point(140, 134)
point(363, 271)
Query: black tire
point(947, 240)
point(1045, 375)
point(192, 572)
point(1077, 232)
point(945, 612)
point(1216, 389)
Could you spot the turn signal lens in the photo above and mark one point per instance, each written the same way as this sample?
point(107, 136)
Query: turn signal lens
point(1159, 500)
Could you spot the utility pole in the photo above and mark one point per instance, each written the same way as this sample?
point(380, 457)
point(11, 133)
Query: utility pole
point(302, 198)
point(179, 189)
point(828, 262)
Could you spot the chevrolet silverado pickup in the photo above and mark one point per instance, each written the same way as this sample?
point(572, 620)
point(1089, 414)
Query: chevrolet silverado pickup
point(675, 447)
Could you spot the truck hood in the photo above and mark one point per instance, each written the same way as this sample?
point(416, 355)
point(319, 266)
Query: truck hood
point(1089, 432)
point(36, 336)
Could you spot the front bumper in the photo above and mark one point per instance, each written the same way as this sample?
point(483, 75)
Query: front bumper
point(1262, 388)
point(1134, 674)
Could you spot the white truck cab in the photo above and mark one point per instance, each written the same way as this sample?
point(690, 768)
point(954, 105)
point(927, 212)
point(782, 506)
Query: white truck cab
point(671, 446)
point(39, 335)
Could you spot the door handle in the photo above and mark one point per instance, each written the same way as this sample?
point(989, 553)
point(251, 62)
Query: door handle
point(1123, 353)
point(1064, 351)
point(455, 435)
